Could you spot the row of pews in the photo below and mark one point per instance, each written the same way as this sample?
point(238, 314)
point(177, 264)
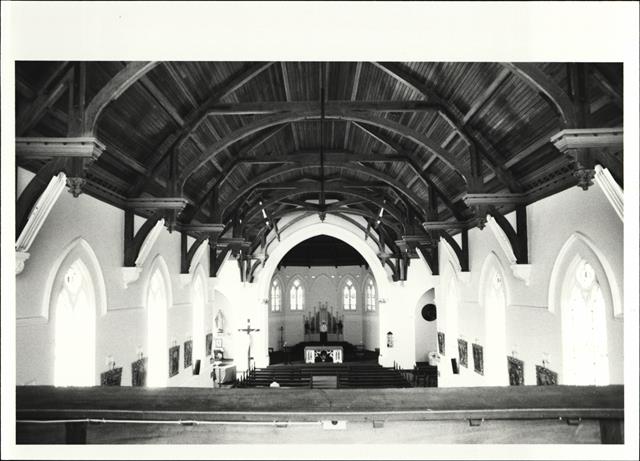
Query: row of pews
point(351, 376)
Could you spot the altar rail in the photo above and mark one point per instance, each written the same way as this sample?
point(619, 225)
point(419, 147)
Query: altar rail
point(518, 414)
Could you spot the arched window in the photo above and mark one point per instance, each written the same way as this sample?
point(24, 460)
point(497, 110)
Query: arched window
point(297, 296)
point(494, 300)
point(276, 294)
point(584, 291)
point(199, 297)
point(585, 332)
point(157, 305)
point(349, 296)
point(370, 292)
point(75, 326)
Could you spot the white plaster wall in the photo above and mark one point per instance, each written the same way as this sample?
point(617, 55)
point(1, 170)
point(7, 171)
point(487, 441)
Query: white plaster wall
point(426, 332)
point(532, 331)
point(122, 329)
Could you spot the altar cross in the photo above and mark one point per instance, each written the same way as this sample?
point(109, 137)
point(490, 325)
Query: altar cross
point(249, 330)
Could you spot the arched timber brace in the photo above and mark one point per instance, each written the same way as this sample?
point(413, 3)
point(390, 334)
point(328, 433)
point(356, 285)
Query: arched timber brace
point(112, 91)
point(456, 120)
point(246, 267)
point(517, 237)
point(275, 172)
point(133, 241)
point(430, 255)
point(196, 117)
point(461, 252)
point(186, 253)
point(216, 258)
point(401, 268)
point(533, 76)
point(278, 119)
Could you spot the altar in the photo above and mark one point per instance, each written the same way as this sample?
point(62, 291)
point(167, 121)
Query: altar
point(313, 354)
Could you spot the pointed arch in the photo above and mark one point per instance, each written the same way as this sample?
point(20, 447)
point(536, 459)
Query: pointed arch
point(77, 249)
point(74, 319)
point(158, 299)
point(370, 293)
point(579, 243)
point(494, 298)
point(275, 295)
point(296, 293)
point(584, 292)
point(348, 293)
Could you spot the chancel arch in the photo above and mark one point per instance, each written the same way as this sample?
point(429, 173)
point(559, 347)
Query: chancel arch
point(311, 227)
point(76, 294)
point(158, 299)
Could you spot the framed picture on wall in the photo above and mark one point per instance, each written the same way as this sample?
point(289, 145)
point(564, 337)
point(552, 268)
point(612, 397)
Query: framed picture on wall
point(462, 352)
point(545, 377)
point(478, 358)
point(174, 360)
point(516, 371)
point(208, 343)
point(188, 352)
point(139, 373)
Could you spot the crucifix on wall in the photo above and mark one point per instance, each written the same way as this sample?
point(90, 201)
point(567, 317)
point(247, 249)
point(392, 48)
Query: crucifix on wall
point(249, 330)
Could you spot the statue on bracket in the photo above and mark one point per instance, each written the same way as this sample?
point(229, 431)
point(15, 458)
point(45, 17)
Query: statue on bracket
point(219, 320)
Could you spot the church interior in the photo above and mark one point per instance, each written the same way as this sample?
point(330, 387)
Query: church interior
point(232, 252)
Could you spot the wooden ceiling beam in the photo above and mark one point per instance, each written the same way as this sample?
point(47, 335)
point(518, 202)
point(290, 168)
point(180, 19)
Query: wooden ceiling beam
point(287, 92)
point(275, 172)
point(354, 93)
point(454, 117)
point(612, 90)
point(195, 117)
point(162, 100)
point(420, 175)
point(277, 119)
point(340, 189)
point(45, 99)
point(484, 97)
point(540, 82)
point(275, 107)
point(118, 84)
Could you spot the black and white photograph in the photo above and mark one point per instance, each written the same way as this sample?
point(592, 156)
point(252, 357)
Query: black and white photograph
point(312, 205)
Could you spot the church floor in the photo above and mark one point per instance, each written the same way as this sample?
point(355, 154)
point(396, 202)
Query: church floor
point(527, 414)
